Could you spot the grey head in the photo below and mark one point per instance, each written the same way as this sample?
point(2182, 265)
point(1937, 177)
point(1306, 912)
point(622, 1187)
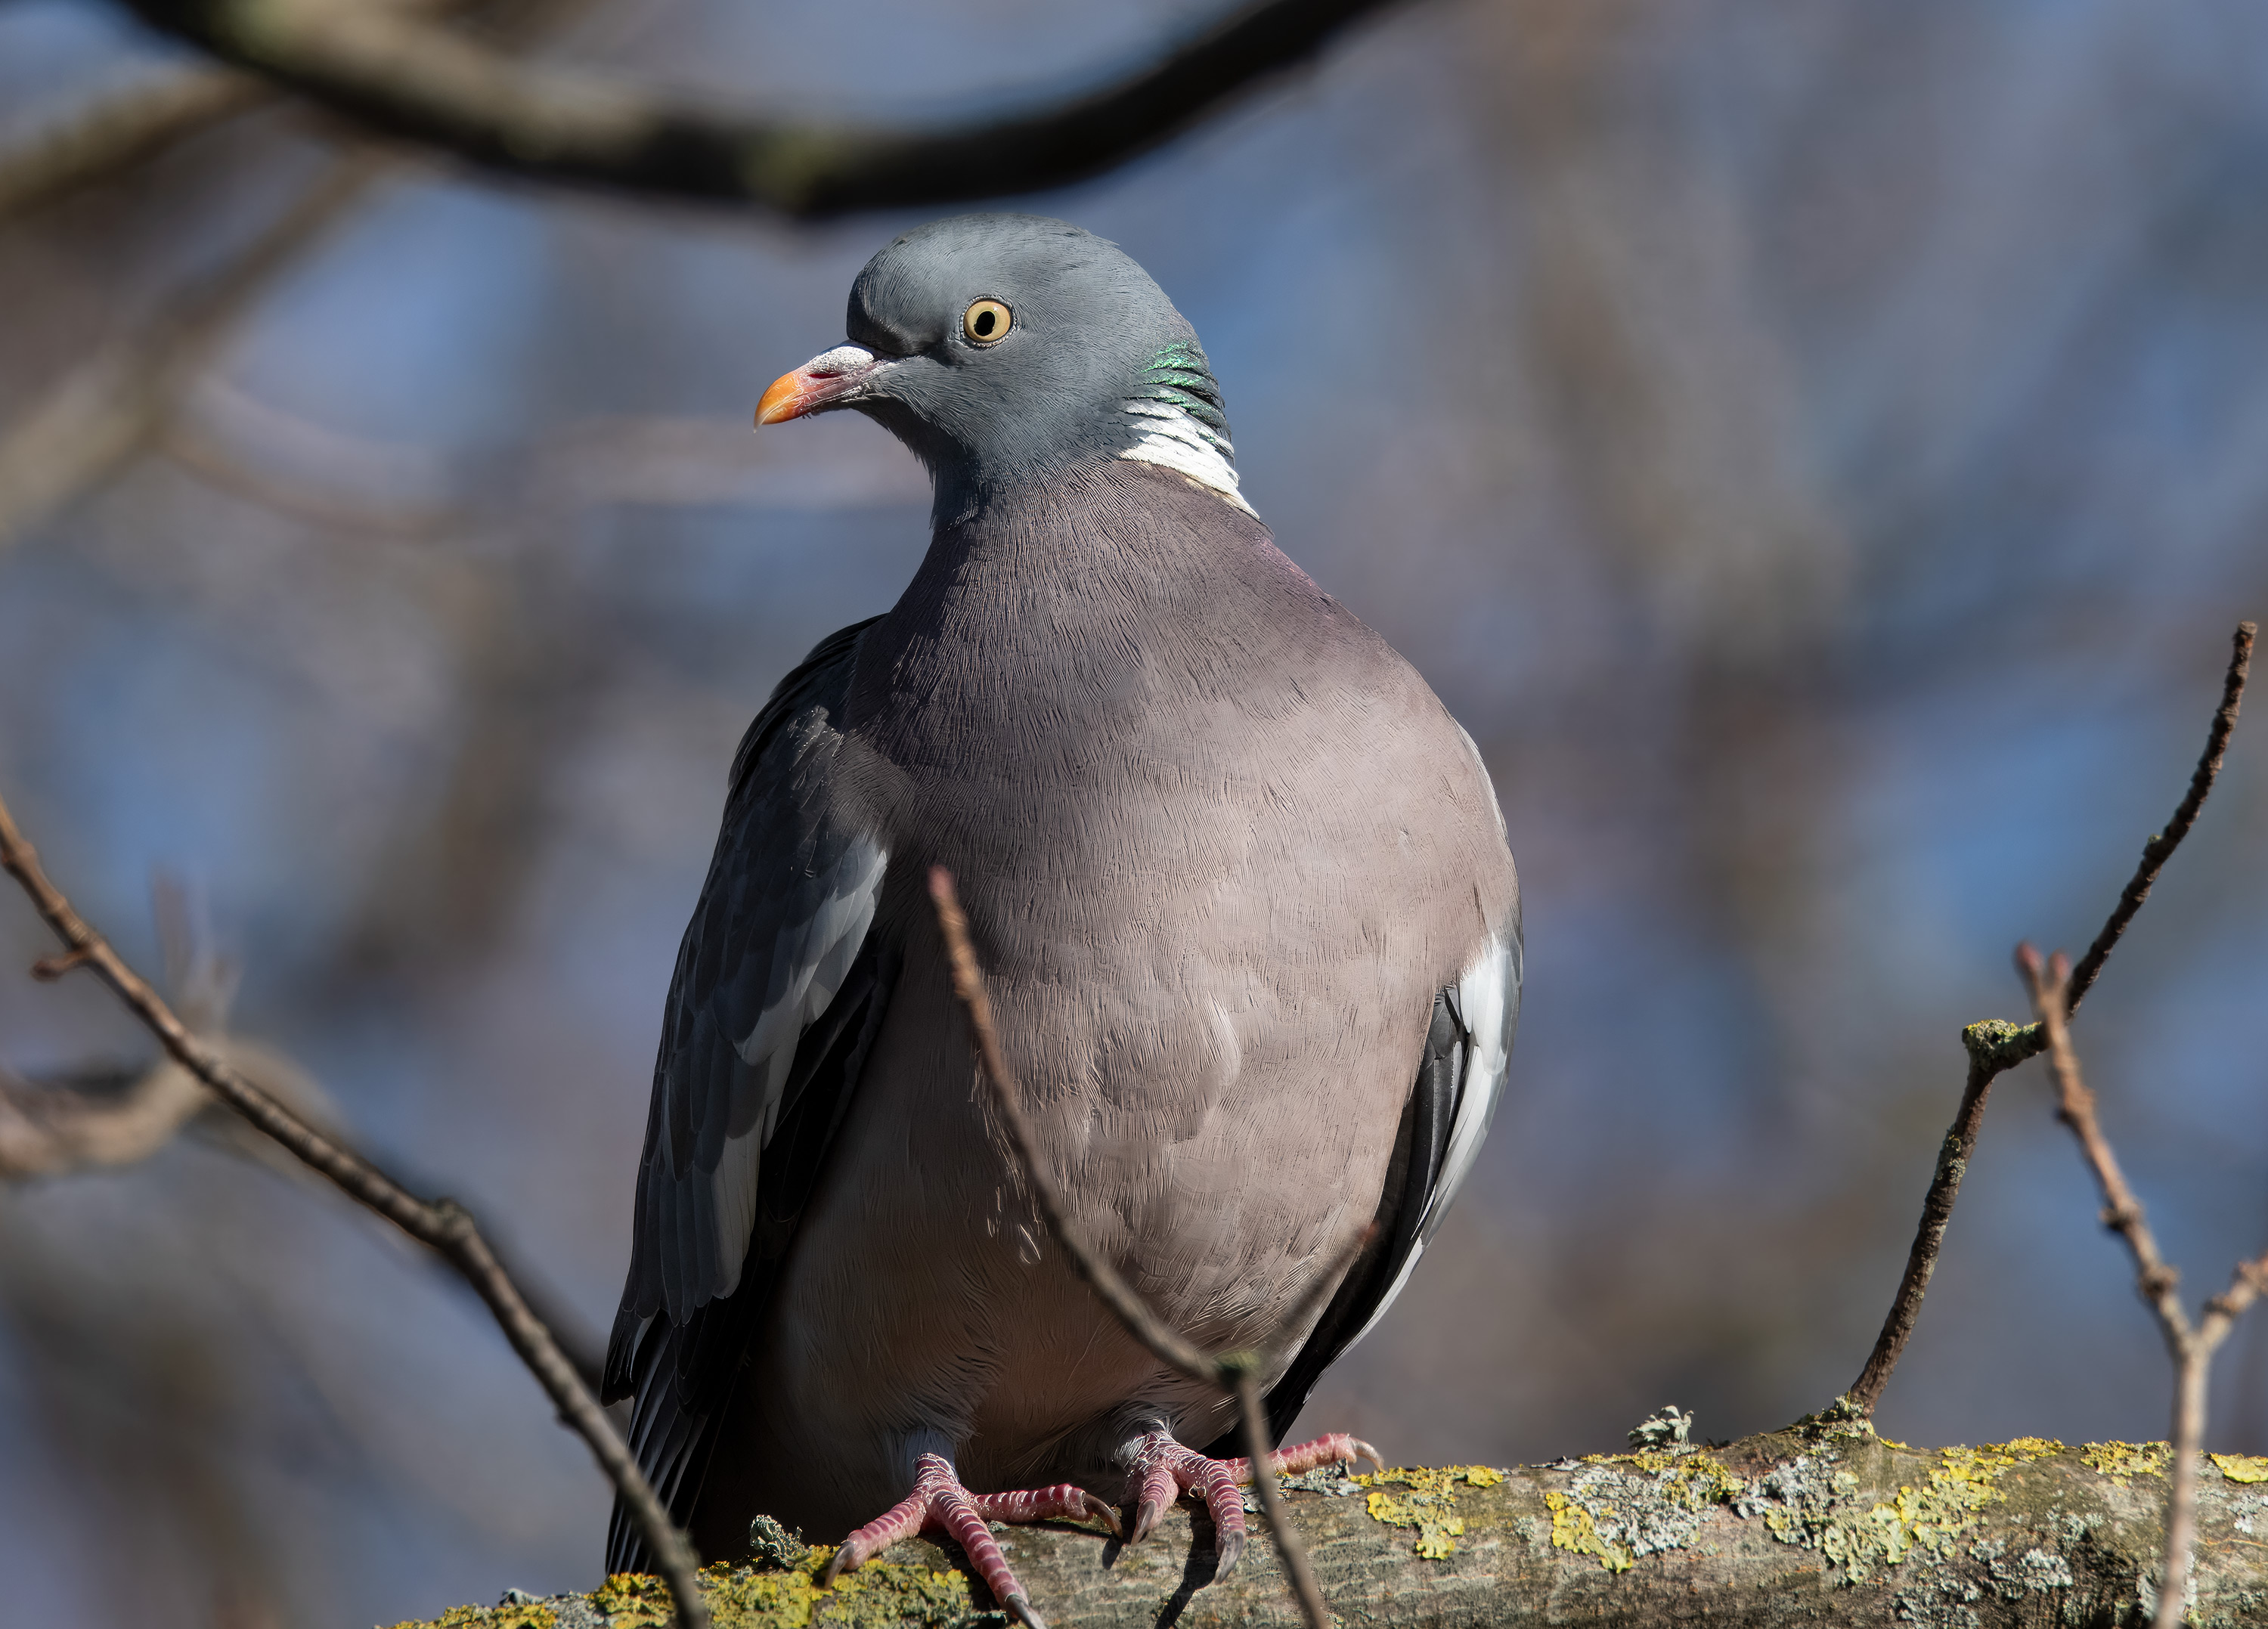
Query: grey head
point(1007, 351)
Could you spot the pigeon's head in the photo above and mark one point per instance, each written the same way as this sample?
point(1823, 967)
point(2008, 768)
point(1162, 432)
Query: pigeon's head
point(1006, 349)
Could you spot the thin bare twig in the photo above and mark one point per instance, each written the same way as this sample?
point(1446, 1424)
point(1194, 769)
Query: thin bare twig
point(1996, 1046)
point(2190, 1345)
point(2160, 847)
point(443, 1225)
point(448, 91)
point(1289, 1550)
point(1921, 1259)
point(1236, 1373)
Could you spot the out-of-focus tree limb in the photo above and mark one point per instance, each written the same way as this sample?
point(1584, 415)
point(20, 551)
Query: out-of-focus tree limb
point(414, 79)
point(121, 127)
point(48, 1130)
point(443, 1225)
point(91, 1123)
point(115, 1118)
point(105, 409)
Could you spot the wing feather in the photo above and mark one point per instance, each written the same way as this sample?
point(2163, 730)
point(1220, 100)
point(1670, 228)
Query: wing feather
point(778, 989)
point(1461, 1079)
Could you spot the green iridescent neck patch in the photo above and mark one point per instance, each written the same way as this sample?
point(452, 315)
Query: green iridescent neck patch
point(1180, 376)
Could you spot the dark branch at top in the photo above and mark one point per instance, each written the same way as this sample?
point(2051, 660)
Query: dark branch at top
point(418, 80)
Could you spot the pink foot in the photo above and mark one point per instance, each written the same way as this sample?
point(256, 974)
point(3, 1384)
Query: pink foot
point(938, 1501)
point(1164, 1470)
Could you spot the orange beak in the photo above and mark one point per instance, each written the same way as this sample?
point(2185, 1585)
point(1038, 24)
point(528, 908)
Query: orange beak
point(827, 381)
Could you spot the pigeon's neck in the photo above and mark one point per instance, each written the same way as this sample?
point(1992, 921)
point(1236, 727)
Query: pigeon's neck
point(1169, 414)
point(1175, 419)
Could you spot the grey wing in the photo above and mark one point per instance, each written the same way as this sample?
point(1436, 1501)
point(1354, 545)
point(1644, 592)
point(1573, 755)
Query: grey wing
point(777, 994)
point(1460, 1080)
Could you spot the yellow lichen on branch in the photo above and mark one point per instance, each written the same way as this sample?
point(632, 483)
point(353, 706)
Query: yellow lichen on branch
point(1824, 1522)
point(1430, 1505)
point(2122, 1462)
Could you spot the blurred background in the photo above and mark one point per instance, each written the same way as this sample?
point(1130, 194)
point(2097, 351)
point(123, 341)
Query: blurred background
point(1819, 450)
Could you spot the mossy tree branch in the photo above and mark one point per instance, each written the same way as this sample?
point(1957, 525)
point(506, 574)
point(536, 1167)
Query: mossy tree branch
point(1825, 1524)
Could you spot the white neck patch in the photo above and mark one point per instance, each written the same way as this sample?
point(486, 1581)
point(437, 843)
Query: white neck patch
point(1169, 437)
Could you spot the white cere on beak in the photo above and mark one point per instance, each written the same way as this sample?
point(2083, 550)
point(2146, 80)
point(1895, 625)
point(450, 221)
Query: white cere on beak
point(843, 359)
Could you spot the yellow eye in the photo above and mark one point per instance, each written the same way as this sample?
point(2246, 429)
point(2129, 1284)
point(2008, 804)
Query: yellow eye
point(986, 321)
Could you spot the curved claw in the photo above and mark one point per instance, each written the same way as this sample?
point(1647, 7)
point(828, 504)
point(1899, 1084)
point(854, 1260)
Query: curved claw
point(837, 1565)
point(1098, 1511)
point(1020, 1607)
point(1231, 1551)
point(1146, 1518)
point(1362, 1451)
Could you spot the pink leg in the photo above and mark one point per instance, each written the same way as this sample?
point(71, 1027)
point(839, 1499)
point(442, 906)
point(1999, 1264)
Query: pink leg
point(938, 1501)
point(1164, 1469)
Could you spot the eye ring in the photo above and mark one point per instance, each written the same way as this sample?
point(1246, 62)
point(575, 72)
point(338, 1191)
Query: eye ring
point(986, 322)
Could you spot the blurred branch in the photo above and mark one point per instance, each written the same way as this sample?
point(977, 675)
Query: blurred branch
point(53, 1129)
point(443, 1225)
point(46, 1131)
point(1238, 1372)
point(121, 127)
point(218, 467)
point(449, 92)
point(118, 127)
point(1996, 1046)
point(341, 481)
point(105, 409)
point(2192, 1345)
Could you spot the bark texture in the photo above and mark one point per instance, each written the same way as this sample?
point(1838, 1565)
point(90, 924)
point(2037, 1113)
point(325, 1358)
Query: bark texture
point(1822, 1523)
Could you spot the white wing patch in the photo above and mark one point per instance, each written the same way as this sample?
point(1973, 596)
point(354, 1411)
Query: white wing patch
point(1171, 438)
point(816, 954)
point(1487, 1003)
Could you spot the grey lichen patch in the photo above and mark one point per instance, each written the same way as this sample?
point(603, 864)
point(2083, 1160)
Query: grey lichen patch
point(1811, 1501)
point(1946, 1605)
point(1637, 1505)
point(772, 1545)
point(1327, 1480)
point(1665, 1427)
point(1842, 1420)
point(2035, 1572)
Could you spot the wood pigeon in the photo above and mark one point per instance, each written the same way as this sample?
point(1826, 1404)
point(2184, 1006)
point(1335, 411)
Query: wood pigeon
point(1246, 911)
